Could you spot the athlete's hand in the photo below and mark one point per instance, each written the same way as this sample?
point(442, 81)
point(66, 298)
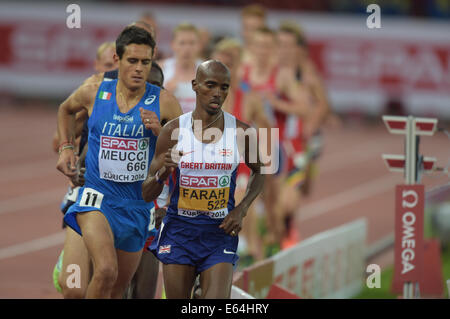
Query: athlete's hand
point(232, 223)
point(150, 121)
point(78, 178)
point(171, 159)
point(159, 215)
point(66, 162)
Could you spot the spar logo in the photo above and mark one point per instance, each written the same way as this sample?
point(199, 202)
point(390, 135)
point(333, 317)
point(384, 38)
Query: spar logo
point(199, 181)
point(224, 181)
point(116, 143)
point(143, 144)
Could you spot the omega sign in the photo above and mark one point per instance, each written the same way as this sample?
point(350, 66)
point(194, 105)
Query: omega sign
point(409, 232)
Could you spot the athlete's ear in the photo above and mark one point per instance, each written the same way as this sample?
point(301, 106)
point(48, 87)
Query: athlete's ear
point(115, 58)
point(194, 85)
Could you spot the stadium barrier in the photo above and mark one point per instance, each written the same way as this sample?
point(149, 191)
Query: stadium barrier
point(327, 265)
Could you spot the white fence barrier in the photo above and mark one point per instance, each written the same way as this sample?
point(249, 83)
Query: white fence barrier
point(330, 264)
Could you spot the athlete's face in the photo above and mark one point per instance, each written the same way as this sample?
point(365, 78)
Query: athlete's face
point(263, 46)
point(249, 25)
point(155, 77)
point(186, 45)
point(135, 65)
point(106, 61)
point(287, 47)
point(211, 89)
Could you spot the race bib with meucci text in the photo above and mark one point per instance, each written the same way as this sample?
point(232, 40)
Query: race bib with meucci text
point(123, 159)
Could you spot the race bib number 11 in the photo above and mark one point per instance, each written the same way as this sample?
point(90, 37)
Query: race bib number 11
point(91, 198)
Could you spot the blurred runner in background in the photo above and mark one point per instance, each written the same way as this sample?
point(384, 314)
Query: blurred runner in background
point(302, 139)
point(253, 17)
point(180, 69)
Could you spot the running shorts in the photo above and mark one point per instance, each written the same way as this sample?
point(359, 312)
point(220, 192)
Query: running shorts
point(198, 245)
point(129, 219)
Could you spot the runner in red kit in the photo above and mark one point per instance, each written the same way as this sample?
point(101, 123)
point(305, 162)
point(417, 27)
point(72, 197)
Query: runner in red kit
point(264, 76)
point(299, 122)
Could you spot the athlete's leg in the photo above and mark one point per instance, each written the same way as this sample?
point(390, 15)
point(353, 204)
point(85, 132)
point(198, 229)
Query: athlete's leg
point(99, 240)
point(127, 264)
point(306, 187)
point(143, 284)
point(178, 280)
point(270, 195)
point(216, 281)
point(250, 227)
point(75, 252)
point(290, 201)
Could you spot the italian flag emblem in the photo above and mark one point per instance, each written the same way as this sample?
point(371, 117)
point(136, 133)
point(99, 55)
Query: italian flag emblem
point(104, 95)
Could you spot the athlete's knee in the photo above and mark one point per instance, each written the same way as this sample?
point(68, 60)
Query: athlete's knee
point(106, 274)
point(73, 293)
point(215, 292)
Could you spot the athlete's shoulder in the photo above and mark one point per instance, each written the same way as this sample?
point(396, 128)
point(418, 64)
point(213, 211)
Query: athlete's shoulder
point(240, 124)
point(88, 90)
point(94, 79)
point(169, 104)
point(166, 96)
point(169, 127)
point(153, 88)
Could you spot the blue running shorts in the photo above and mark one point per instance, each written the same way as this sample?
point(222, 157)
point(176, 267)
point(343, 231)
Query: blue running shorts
point(129, 219)
point(198, 245)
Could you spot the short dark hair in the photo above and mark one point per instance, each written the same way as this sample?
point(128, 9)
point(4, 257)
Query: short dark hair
point(130, 35)
point(156, 68)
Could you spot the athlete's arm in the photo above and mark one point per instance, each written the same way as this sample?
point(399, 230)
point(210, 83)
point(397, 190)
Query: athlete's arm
point(169, 106)
point(296, 92)
point(82, 116)
point(162, 162)
point(254, 110)
point(233, 221)
point(169, 109)
point(78, 178)
point(82, 98)
point(322, 108)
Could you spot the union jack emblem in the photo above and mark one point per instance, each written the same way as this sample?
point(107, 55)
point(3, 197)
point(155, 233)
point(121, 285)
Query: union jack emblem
point(225, 152)
point(165, 249)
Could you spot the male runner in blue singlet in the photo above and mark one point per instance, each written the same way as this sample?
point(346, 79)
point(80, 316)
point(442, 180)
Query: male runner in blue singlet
point(124, 121)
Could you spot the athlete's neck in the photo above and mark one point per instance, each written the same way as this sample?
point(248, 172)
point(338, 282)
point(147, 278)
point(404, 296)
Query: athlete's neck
point(128, 97)
point(262, 67)
point(208, 120)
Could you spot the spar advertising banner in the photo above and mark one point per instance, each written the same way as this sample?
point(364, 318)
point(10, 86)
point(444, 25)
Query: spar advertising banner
point(363, 69)
point(409, 242)
point(330, 264)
